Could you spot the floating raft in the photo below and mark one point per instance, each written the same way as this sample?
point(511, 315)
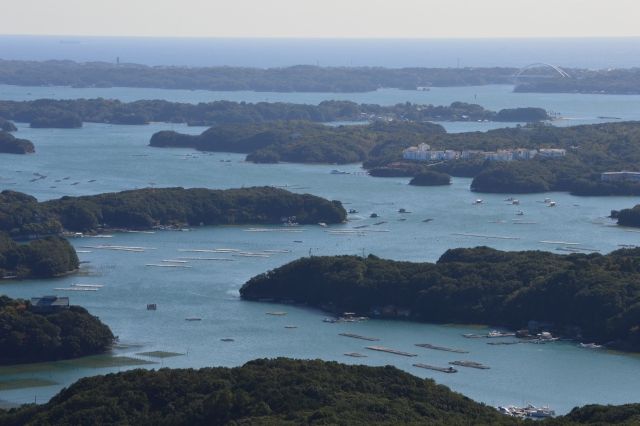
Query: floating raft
point(357, 336)
point(277, 313)
point(166, 265)
point(76, 289)
point(436, 368)
point(498, 237)
point(389, 350)
point(470, 364)
point(355, 355)
point(441, 348)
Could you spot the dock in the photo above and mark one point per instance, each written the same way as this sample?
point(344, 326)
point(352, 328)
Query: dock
point(357, 336)
point(470, 364)
point(441, 348)
point(389, 350)
point(436, 368)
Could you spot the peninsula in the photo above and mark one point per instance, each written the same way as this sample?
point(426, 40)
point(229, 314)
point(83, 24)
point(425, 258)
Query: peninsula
point(41, 258)
point(592, 297)
point(9, 144)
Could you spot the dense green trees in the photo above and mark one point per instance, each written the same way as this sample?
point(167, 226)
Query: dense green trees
point(22, 215)
point(431, 178)
point(262, 392)
point(7, 126)
point(628, 217)
point(32, 336)
point(9, 144)
point(42, 258)
point(598, 295)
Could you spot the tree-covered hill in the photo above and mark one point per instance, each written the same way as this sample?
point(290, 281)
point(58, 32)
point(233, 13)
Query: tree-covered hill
point(27, 335)
point(593, 297)
point(23, 215)
point(9, 144)
point(279, 392)
point(42, 258)
point(628, 217)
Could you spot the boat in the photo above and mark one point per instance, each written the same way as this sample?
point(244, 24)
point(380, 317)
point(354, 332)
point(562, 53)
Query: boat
point(324, 225)
point(590, 345)
point(519, 213)
point(515, 202)
point(227, 339)
point(339, 172)
point(352, 211)
point(193, 319)
point(373, 215)
point(552, 204)
point(495, 333)
point(290, 326)
point(151, 306)
point(427, 220)
point(478, 201)
point(403, 211)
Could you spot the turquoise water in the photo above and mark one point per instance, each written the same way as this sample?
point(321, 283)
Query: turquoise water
point(117, 157)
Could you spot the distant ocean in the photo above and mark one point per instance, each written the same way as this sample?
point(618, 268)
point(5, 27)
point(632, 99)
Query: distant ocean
point(585, 53)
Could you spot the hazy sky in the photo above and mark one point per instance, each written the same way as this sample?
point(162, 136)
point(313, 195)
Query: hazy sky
point(324, 18)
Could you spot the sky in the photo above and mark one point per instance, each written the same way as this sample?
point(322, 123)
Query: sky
point(324, 18)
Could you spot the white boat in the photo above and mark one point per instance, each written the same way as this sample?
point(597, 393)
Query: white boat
point(590, 345)
point(515, 202)
point(478, 201)
point(339, 172)
point(519, 213)
point(552, 203)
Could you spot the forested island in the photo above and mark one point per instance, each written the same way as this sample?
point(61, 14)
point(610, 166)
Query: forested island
point(279, 392)
point(306, 78)
point(7, 126)
point(71, 113)
point(430, 178)
point(590, 151)
point(9, 144)
point(22, 215)
point(33, 334)
point(591, 297)
point(42, 258)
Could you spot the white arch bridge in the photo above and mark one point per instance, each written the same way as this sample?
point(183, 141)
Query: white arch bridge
point(556, 71)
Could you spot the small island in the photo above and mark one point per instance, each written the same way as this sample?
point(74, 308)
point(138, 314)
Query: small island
point(9, 144)
point(591, 297)
point(431, 178)
point(41, 258)
point(162, 207)
point(48, 329)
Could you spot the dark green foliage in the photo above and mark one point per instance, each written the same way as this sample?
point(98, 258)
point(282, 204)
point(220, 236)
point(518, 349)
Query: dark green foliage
point(262, 392)
point(61, 119)
point(431, 178)
point(43, 258)
point(9, 144)
point(27, 336)
point(627, 414)
point(301, 141)
point(22, 215)
point(598, 294)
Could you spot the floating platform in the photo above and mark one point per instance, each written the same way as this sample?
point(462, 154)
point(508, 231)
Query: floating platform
point(166, 265)
point(470, 364)
point(355, 355)
point(277, 313)
point(436, 368)
point(357, 336)
point(441, 348)
point(389, 350)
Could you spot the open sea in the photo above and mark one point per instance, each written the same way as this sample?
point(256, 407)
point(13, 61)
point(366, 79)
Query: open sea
point(99, 158)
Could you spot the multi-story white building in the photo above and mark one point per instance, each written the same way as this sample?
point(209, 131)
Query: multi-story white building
point(622, 176)
point(552, 152)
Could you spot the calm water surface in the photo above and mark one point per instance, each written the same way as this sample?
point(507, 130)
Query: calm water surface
point(117, 157)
